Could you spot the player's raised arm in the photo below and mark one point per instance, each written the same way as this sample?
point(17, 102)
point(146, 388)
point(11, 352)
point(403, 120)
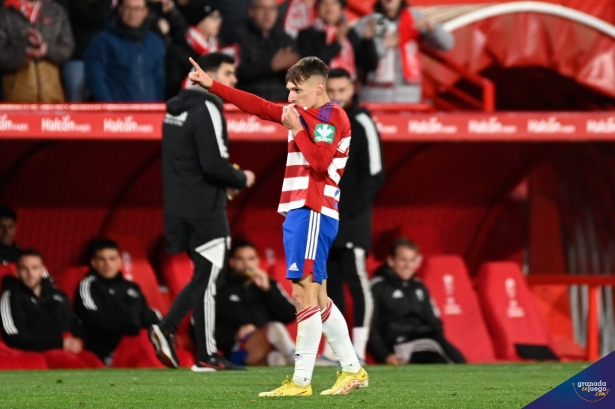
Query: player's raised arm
point(245, 101)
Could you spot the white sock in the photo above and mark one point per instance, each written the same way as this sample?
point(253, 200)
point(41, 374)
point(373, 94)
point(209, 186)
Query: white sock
point(328, 353)
point(309, 334)
point(335, 329)
point(360, 336)
point(278, 336)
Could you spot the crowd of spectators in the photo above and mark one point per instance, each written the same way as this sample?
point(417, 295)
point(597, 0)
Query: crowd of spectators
point(137, 50)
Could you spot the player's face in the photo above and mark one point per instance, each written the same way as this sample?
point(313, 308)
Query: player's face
point(30, 271)
point(107, 262)
point(390, 6)
point(225, 74)
point(264, 13)
point(8, 228)
point(244, 259)
point(306, 94)
point(330, 11)
point(405, 263)
point(340, 90)
point(210, 25)
point(133, 12)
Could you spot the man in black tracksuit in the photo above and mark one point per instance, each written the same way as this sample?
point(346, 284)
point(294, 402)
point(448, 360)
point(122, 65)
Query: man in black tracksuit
point(251, 309)
point(109, 305)
point(36, 315)
point(406, 325)
point(197, 176)
point(363, 177)
point(9, 251)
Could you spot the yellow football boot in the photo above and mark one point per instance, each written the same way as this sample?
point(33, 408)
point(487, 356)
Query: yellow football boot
point(347, 382)
point(289, 388)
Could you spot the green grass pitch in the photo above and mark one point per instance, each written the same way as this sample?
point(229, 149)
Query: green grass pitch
point(410, 386)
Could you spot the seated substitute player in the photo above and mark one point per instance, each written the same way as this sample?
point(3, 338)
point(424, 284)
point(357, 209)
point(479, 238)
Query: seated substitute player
point(109, 305)
point(251, 310)
point(9, 250)
point(318, 145)
point(406, 326)
point(36, 315)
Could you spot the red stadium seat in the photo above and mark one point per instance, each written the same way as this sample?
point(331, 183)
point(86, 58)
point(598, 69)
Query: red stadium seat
point(447, 279)
point(68, 280)
point(60, 359)
point(9, 269)
point(176, 271)
point(138, 352)
point(511, 313)
point(136, 267)
point(11, 358)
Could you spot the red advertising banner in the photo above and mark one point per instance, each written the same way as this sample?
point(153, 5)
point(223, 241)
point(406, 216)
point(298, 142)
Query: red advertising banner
point(134, 122)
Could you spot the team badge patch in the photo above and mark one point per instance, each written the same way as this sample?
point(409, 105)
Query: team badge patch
point(324, 133)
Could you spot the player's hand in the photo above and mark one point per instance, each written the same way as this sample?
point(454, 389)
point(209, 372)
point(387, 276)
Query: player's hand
point(250, 178)
point(393, 359)
point(424, 24)
point(200, 77)
point(244, 331)
point(74, 345)
point(291, 120)
point(261, 279)
point(369, 29)
point(342, 32)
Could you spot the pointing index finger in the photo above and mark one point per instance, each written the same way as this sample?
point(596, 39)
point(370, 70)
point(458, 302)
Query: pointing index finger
point(194, 64)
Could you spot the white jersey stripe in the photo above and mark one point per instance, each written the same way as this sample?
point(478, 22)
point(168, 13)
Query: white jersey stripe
point(332, 213)
point(296, 159)
point(86, 295)
point(373, 146)
point(332, 171)
point(297, 183)
point(284, 208)
point(7, 316)
point(332, 191)
point(216, 119)
point(340, 163)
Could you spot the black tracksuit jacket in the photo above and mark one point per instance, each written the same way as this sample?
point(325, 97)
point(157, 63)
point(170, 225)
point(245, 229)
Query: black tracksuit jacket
point(36, 324)
point(363, 177)
point(239, 304)
point(403, 311)
point(195, 167)
point(110, 309)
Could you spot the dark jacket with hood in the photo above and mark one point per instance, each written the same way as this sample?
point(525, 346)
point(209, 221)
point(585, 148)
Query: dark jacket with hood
point(363, 177)
point(195, 167)
point(239, 303)
point(110, 309)
point(255, 54)
point(9, 254)
point(36, 324)
point(124, 64)
point(403, 311)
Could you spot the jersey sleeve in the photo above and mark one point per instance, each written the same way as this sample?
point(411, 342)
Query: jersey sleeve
point(249, 103)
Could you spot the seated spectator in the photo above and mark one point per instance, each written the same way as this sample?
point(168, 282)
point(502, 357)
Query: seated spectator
point(36, 315)
point(265, 53)
point(125, 62)
point(332, 40)
point(251, 309)
point(35, 39)
point(399, 30)
point(87, 18)
point(406, 325)
point(200, 38)
point(296, 15)
point(9, 251)
point(109, 305)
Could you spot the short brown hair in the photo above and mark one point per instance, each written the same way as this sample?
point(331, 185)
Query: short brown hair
point(306, 68)
point(403, 242)
point(30, 253)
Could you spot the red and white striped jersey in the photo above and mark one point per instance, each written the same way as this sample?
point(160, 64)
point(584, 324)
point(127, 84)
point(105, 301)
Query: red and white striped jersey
point(311, 181)
point(316, 157)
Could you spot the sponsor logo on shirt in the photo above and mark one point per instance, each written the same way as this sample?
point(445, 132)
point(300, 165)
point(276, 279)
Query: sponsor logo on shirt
point(293, 267)
point(234, 298)
point(324, 133)
point(133, 293)
point(397, 294)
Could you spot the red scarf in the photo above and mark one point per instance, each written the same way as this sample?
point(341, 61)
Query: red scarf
point(29, 10)
point(409, 46)
point(345, 58)
point(195, 39)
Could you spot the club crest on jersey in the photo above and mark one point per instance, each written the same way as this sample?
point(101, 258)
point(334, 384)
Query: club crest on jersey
point(324, 133)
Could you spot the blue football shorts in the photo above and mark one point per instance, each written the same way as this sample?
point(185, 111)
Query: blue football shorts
point(308, 236)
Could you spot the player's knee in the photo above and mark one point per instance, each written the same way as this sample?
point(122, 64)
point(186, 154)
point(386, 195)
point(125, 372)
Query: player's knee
point(298, 299)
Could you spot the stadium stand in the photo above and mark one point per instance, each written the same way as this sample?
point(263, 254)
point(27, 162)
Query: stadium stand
point(517, 328)
point(447, 279)
point(7, 269)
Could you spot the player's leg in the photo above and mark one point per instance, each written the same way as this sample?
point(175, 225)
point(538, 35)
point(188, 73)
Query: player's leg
point(335, 289)
point(355, 275)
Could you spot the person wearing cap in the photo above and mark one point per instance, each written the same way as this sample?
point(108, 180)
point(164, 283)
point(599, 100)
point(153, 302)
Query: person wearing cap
point(332, 40)
point(199, 38)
